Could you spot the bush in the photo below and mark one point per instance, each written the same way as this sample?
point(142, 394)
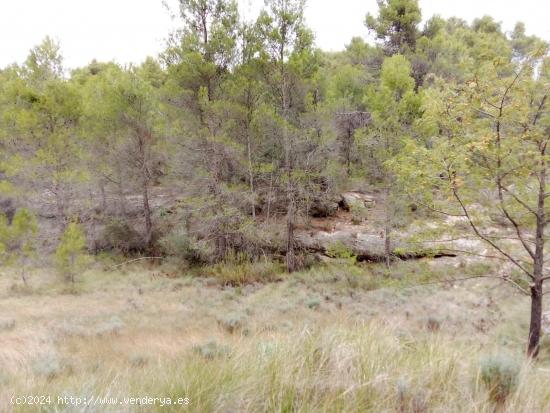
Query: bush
point(119, 236)
point(313, 303)
point(233, 323)
point(433, 324)
point(211, 350)
point(70, 255)
point(231, 273)
point(49, 366)
point(358, 213)
point(500, 375)
point(111, 327)
point(410, 400)
point(341, 251)
point(180, 245)
point(139, 361)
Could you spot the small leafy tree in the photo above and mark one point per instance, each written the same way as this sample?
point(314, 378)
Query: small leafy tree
point(18, 240)
point(71, 251)
point(23, 230)
point(394, 106)
point(487, 164)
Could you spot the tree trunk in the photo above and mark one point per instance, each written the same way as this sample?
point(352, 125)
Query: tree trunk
point(269, 195)
point(121, 197)
point(290, 254)
point(387, 229)
point(387, 245)
point(60, 206)
point(536, 320)
point(23, 276)
point(538, 267)
point(147, 215)
point(348, 152)
point(71, 268)
point(251, 174)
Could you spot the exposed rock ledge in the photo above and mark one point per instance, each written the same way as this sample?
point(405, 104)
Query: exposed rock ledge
point(367, 247)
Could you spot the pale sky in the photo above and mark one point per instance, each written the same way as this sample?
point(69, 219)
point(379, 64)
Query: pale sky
point(130, 30)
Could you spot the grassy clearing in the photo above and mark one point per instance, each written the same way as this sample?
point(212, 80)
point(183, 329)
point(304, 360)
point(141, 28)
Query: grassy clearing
point(334, 338)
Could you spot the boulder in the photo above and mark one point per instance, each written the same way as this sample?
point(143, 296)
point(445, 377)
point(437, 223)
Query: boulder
point(356, 200)
point(324, 207)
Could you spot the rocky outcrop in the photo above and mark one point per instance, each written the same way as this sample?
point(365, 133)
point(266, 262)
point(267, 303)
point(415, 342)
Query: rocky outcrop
point(325, 207)
point(366, 247)
point(352, 200)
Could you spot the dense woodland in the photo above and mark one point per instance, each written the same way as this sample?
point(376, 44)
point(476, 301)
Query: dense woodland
point(240, 131)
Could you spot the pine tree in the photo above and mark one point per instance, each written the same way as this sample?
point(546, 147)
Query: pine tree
point(70, 255)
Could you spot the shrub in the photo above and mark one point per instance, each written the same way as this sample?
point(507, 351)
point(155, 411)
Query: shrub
point(339, 250)
point(233, 323)
point(110, 327)
point(410, 400)
point(499, 374)
point(358, 213)
point(180, 245)
point(243, 273)
point(211, 350)
point(433, 324)
point(119, 235)
point(314, 303)
point(139, 361)
point(18, 240)
point(48, 366)
point(69, 328)
point(70, 255)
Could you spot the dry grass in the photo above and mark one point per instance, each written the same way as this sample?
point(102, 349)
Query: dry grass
point(367, 345)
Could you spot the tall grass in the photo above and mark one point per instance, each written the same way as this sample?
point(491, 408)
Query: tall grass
point(361, 368)
point(334, 338)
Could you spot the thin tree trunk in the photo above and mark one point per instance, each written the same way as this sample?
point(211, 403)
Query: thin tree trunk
point(536, 320)
point(348, 152)
point(121, 197)
point(290, 254)
point(147, 214)
point(387, 229)
point(71, 269)
point(538, 270)
point(60, 206)
point(387, 245)
point(251, 174)
point(269, 195)
point(23, 276)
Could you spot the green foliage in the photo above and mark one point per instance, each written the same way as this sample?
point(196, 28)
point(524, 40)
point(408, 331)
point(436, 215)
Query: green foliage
point(177, 243)
point(70, 255)
point(239, 273)
point(18, 240)
point(120, 236)
point(500, 374)
point(341, 251)
point(396, 24)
